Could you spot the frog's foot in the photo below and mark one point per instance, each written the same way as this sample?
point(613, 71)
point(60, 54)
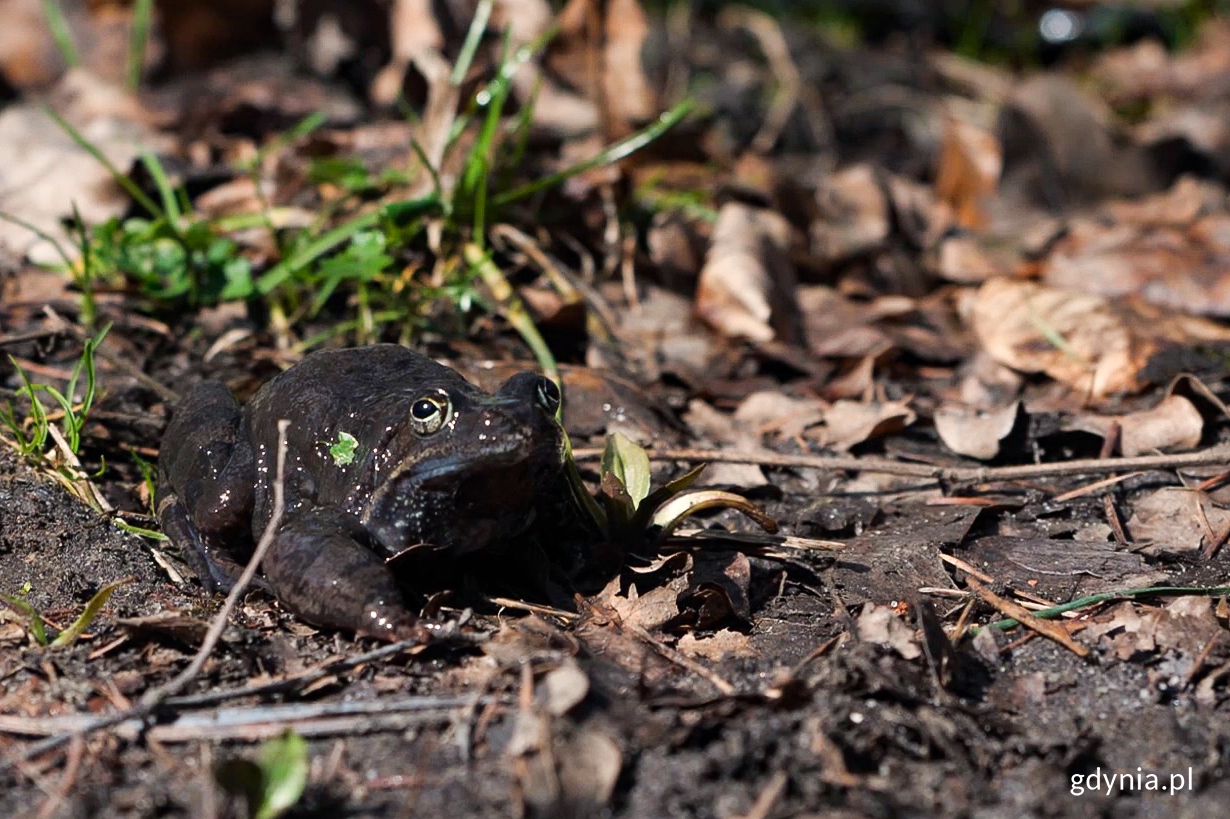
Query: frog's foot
point(216, 570)
point(323, 574)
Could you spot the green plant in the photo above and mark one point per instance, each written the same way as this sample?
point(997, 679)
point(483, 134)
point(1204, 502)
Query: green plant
point(31, 437)
point(631, 512)
point(142, 13)
point(38, 629)
point(274, 782)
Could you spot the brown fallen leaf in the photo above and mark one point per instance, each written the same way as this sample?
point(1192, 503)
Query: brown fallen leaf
point(716, 647)
point(1059, 145)
point(976, 433)
point(46, 174)
point(837, 326)
point(1168, 522)
point(970, 162)
point(773, 413)
point(649, 611)
point(881, 625)
point(563, 688)
point(717, 591)
point(849, 423)
point(1183, 625)
point(1141, 250)
point(852, 215)
point(746, 288)
point(1174, 424)
point(598, 50)
point(1092, 345)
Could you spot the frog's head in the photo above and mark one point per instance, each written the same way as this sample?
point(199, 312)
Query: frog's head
point(467, 469)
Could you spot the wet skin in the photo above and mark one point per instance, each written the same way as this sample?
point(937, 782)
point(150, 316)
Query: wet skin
point(439, 464)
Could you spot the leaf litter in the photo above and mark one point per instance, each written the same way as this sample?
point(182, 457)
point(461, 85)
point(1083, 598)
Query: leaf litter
point(957, 328)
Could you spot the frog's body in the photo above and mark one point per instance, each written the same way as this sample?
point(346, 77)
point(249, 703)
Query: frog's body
point(436, 462)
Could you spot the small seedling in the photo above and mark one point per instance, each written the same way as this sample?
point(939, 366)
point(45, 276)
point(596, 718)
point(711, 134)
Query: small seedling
point(631, 512)
point(274, 783)
point(38, 630)
point(31, 435)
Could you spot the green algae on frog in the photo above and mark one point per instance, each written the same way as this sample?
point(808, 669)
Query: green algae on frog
point(386, 451)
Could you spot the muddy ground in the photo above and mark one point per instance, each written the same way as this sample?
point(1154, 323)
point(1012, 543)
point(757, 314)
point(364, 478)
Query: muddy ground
point(979, 305)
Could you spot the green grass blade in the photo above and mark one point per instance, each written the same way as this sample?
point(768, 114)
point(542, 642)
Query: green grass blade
point(37, 630)
point(142, 12)
point(57, 25)
point(38, 413)
point(513, 309)
point(397, 211)
point(279, 273)
point(69, 635)
point(121, 179)
point(473, 38)
point(507, 69)
point(166, 192)
point(476, 176)
point(620, 150)
point(1111, 596)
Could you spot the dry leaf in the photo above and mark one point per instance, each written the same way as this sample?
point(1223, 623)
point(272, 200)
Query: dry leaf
point(1175, 423)
point(837, 326)
point(589, 766)
point(1124, 258)
point(881, 625)
point(1094, 346)
point(715, 648)
point(1167, 521)
point(746, 288)
point(849, 423)
point(772, 412)
point(853, 215)
point(46, 174)
point(976, 433)
point(969, 167)
point(563, 688)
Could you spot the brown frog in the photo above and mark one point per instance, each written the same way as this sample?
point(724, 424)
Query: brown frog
point(435, 462)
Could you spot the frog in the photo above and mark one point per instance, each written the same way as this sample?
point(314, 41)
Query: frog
point(387, 452)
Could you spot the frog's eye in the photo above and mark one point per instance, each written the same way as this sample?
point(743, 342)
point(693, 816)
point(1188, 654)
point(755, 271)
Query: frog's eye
point(547, 395)
point(430, 413)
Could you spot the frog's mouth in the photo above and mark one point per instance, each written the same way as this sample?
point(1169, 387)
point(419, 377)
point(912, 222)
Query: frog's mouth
point(496, 488)
point(462, 504)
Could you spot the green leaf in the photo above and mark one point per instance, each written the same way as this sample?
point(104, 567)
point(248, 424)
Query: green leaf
point(284, 773)
point(274, 783)
point(343, 449)
point(36, 621)
point(628, 463)
point(670, 514)
point(92, 608)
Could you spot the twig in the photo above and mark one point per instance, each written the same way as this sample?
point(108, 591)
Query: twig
point(1213, 456)
point(75, 751)
point(768, 796)
point(157, 696)
point(295, 683)
point(723, 687)
point(264, 720)
point(1046, 628)
point(19, 338)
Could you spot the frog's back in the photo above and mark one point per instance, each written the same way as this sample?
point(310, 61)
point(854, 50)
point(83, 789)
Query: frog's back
point(356, 373)
point(353, 378)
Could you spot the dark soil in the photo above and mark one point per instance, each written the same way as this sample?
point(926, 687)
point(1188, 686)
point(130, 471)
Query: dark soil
point(831, 670)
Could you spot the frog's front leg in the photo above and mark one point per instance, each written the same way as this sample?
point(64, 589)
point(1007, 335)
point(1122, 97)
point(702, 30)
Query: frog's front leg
point(205, 478)
point(322, 573)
